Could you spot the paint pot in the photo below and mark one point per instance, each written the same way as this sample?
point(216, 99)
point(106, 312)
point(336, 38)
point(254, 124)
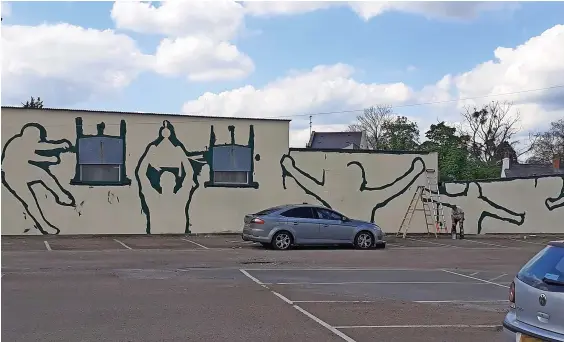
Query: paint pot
point(454, 235)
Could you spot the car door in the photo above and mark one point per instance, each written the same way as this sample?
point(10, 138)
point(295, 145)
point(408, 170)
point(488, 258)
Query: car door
point(332, 228)
point(301, 222)
point(539, 290)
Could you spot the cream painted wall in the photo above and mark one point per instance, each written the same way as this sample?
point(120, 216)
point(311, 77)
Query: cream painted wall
point(534, 205)
point(362, 185)
point(382, 192)
point(117, 209)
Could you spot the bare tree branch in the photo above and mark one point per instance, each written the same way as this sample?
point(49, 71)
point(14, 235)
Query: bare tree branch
point(489, 127)
point(373, 121)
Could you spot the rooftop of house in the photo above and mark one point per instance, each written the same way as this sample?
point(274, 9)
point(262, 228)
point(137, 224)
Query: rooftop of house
point(335, 140)
point(527, 170)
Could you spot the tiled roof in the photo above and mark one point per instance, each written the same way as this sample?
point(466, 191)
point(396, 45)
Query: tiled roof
point(335, 140)
point(526, 170)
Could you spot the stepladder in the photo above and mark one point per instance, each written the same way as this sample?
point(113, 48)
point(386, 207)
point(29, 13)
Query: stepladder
point(426, 199)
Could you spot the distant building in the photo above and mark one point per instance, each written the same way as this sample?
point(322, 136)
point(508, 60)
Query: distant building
point(511, 169)
point(338, 140)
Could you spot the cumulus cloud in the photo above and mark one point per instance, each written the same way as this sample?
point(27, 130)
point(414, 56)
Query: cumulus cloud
point(197, 36)
point(537, 63)
point(201, 59)
point(66, 63)
point(218, 20)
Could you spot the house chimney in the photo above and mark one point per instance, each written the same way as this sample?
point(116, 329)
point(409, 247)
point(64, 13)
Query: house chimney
point(557, 162)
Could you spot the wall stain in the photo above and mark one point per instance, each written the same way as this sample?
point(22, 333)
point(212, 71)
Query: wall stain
point(41, 157)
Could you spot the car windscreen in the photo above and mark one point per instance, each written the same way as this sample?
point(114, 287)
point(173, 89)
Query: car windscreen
point(545, 270)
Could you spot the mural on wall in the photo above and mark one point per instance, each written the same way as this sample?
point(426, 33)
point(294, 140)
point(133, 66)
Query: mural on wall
point(40, 153)
point(379, 196)
point(488, 208)
point(557, 202)
point(476, 199)
point(485, 207)
point(100, 158)
point(230, 165)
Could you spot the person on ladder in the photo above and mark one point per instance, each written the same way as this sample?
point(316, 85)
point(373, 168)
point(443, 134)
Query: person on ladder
point(457, 216)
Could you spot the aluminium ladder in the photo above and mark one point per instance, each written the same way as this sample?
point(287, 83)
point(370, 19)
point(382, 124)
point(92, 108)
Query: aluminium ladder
point(432, 207)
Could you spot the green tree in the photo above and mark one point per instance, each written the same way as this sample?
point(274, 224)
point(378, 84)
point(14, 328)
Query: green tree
point(33, 103)
point(451, 148)
point(401, 134)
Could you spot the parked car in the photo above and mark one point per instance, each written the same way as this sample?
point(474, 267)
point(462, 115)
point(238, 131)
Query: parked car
point(289, 225)
point(536, 298)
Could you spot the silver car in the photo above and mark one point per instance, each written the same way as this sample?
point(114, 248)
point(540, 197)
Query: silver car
point(304, 224)
point(536, 296)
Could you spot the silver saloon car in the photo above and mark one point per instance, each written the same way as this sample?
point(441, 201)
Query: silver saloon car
point(536, 298)
point(285, 226)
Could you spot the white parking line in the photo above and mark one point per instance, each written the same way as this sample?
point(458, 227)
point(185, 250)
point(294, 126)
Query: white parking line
point(346, 269)
point(529, 242)
point(499, 276)
point(123, 244)
point(297, 307)
point(470, 277)
point(433, 243)
point(251, 277)
point(462, 301)
point(486, 243)
point(47, 245)
point(380, 282)
point(473, 274)
point(420, 326)
point(197, 244)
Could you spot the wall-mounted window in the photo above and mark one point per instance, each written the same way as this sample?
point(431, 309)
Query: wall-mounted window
point(100, 158)
point(232, 165)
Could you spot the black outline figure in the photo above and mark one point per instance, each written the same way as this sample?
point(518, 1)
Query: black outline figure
point(397, 186)
point(154, 173)
point(196, 159)
point(46, 154)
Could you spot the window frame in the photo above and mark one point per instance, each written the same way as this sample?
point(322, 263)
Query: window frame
point(80, 136)
point(232, 183)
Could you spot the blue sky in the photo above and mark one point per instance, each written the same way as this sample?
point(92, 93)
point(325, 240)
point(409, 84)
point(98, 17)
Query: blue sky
point(395, 46)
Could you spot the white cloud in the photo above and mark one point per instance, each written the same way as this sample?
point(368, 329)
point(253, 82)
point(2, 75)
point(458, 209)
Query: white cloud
point(218, 19)
point(537, 63)
point(324, 88)
point(198, 33)
point(66, 63)
point(370, 9)
point(201, 59)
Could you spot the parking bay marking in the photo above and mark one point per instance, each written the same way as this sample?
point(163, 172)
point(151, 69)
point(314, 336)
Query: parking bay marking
point(493, 326)
point(300, 309)
point(123, 244)
point(47, 245)
point(378, 282)
point(195, 243)
point(433, 243)
point(486, 243)
point(482, 280)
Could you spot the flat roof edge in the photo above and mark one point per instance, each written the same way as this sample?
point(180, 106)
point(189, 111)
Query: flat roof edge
point(147, 113)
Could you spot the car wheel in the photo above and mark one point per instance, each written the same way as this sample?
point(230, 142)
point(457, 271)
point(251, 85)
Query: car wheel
point(282, 240)
point(364, 240)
